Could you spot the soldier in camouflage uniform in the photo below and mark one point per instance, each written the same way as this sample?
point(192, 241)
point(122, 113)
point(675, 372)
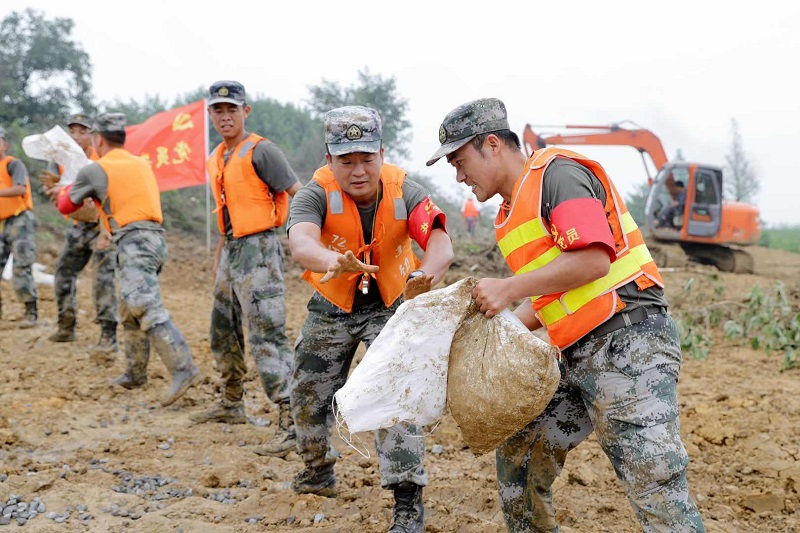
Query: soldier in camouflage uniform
point(81, 246)
point(127, 191)
point(252, 181)
point(17, 230)
point(567, 235)
point(361, 277)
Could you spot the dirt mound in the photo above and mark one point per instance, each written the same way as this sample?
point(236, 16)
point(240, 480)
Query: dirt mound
point(104, 459)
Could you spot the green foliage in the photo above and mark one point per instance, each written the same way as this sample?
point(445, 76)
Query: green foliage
point(377, 92)
point(696, 319)
point(44, 74)
point(782, 237)
point(635, 201)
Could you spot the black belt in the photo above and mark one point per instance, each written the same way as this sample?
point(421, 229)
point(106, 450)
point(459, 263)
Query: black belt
point(620, 320)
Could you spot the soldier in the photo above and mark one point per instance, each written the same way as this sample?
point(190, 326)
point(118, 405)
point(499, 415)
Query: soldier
point(351, 227)
point(130, 206)
point(252, 182)
point(17, 230)
point(81, 245)
point(581, 260)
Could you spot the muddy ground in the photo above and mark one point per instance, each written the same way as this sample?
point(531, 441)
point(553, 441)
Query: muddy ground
point(91, 457)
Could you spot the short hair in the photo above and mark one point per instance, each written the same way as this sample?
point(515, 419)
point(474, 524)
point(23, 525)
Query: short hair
point(115, 138)
point(679, 183)
point(508, 137)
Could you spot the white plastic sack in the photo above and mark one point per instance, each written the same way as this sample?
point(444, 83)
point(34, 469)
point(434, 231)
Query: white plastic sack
point(403, 375)
point(40, 277)
point(56, 145)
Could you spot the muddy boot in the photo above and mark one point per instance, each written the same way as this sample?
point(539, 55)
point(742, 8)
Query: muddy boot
point(176, 355)
point(65, 331)
point(409, 514)
point(137, 354)
point(108, 338)
point(319, 481)
point(30, 317)
point(223, 413)
point(284, 440)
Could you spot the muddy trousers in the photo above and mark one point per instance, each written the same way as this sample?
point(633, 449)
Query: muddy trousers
point(249, 289)
point(145, 321)
point(323, 354)
point(17, 237)
point(623, 386)
point(79, 249)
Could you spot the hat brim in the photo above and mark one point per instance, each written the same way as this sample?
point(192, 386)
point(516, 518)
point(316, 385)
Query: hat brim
point(224, 100)
point(80, 123)
point(368, 147)
point(449, 148)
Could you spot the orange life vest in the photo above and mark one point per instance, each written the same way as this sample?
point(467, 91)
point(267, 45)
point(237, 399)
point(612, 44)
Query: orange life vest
point(527, 243)
point(14, 205)
point(133, 194)
point(470, 209)
point(252, 207)
point(390, 248)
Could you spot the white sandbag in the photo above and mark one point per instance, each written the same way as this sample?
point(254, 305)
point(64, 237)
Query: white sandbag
point(40, 277)
point(57, 146)
point(403, 375)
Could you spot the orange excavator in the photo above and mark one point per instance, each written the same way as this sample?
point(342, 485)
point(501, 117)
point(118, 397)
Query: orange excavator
point(685, 215)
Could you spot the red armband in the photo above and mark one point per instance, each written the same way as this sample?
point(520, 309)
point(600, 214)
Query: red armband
point(424, 219)
point(64, 204)
point(579, 222)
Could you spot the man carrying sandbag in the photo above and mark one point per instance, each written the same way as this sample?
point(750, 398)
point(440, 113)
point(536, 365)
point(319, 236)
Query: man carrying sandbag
point(580, 258)
point(351, 227)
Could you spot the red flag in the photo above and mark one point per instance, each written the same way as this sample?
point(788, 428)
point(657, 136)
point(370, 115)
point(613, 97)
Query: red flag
point(174, 143)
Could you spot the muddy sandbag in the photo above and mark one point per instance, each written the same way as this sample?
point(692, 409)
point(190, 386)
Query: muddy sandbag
point(500, 377)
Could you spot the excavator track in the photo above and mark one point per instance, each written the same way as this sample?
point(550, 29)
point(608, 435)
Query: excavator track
point(725, 258)
point(668, 255)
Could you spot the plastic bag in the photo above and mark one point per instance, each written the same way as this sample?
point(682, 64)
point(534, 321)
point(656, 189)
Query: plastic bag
point(500, 377)
point(403, 375)
point(57, 146)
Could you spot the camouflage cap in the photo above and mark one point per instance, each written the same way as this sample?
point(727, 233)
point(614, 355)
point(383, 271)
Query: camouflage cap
point(466, 121)
point(81, 119)
point(226, 91)
point(110, 122)
point(351, 129)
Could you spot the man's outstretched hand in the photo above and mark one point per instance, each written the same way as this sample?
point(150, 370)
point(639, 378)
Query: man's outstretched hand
point(347, 263)
point(417, 286)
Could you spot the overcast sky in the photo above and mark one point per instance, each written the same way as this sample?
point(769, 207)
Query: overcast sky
point(681, 69)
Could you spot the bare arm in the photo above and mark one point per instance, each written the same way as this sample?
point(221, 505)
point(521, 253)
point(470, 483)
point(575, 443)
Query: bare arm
point(307, 249)
point(567, 271)
point(14, 190)
point(438, 255)
point(294, 188)
point(527, 316)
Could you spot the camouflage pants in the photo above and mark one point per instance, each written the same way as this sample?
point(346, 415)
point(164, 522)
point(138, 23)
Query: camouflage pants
point(249, 289)
point(17, 237)
point(78, 250)
point(323, 354)
point(622, 386)
point(141, 255)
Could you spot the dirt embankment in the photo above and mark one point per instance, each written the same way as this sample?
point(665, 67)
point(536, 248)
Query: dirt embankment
point(81, 455)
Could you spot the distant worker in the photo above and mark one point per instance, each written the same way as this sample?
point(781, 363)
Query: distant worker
point(675, 209)
point(252, 182)
point(470, 214)
point(351, 227)
point(81, 245)
point(17, 230)
point(583, 272)
point(130, 206)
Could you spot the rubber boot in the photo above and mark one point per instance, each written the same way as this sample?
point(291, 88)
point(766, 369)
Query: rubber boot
point(177, 357)
point(66, 329)
point(224, 413)
point(30, 317)
point(108, 338)
point(137, 355)
point(409, 514)
point(320, 481)
point(285, 439)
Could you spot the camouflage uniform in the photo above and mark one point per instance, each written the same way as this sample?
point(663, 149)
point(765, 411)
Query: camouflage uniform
point(18, 238)
point(250, 285)
point(79, 248)
point(324, 352)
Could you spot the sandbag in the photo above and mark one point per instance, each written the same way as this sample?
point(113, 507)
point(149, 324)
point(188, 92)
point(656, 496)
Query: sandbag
point(57, 146)
point(500, 377)
point(403, 375)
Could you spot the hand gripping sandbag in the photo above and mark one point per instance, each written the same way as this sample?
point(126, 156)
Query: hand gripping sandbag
point(501, 377)
point(403, 376)
point(57, 146)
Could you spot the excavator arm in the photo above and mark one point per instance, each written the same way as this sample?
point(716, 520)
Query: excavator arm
point(644, 141)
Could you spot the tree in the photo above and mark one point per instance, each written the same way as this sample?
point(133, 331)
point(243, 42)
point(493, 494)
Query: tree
point(44, 74)
point(377, 92)
point(635, 201)
point(741, 181)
